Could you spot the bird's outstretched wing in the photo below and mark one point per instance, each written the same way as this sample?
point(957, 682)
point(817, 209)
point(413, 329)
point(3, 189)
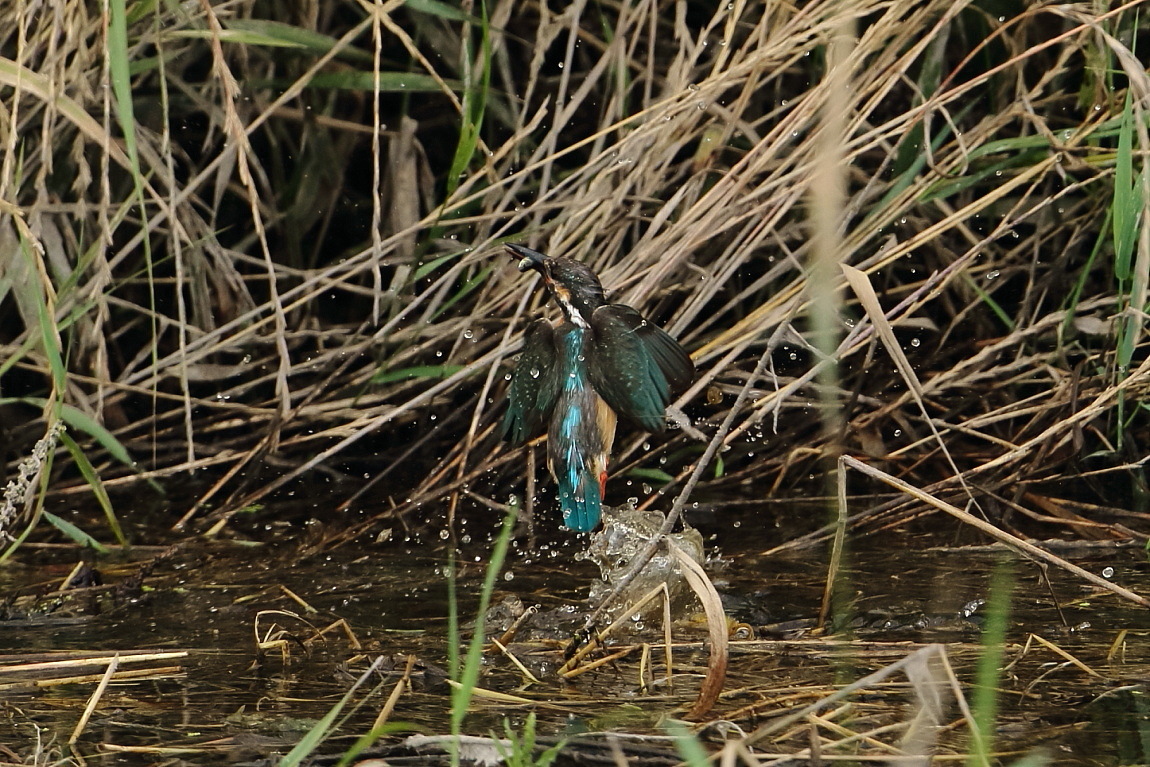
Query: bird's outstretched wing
point(534, 385)
point(635, 366)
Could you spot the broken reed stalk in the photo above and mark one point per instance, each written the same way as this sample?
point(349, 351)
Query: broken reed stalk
point(94, 701)
point(401, 685)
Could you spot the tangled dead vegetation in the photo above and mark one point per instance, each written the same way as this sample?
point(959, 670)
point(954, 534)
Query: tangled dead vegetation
point(282, 258)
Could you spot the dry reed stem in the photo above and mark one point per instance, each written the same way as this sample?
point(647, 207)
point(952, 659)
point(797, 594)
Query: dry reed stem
point(94, 700)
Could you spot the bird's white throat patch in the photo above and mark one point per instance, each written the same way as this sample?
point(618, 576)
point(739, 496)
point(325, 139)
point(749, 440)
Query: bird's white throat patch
point(563, 296)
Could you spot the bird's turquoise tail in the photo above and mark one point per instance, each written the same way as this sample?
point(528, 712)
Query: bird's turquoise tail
point(580, 500)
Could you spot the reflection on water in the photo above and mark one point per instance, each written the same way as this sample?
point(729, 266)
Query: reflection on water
point(273, 641)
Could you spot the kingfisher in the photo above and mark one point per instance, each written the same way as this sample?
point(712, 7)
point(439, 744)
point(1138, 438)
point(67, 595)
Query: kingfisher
point(575, 379)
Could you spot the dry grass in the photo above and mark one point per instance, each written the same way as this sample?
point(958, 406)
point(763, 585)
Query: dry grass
point(294, 288)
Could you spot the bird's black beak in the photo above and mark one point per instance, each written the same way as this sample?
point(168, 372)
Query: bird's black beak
point(528, 258)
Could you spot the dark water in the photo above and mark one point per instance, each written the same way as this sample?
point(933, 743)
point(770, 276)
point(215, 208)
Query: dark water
point(1080, 698)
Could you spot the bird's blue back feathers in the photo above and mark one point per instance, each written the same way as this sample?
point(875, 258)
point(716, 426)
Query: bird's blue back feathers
point(580, 500)
point(575, 440)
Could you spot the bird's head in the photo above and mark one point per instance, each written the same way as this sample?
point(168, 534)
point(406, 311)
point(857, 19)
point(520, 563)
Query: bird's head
point(573, 286)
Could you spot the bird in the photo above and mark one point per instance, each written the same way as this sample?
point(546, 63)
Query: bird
point(575, 379)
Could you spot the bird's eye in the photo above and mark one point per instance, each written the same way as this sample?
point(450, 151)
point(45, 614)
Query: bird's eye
point(526, 264)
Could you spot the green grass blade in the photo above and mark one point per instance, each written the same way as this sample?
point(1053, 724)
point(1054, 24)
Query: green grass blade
point(73, 532)
point(366, 740)
point(687, 744)
point(655, 476)
point(118, 66)
point(120, 72)
point(914, 166)
point(238, 37)
point(469, 675)
point(320, 730)
point(88, 471)
point(390, 82)
point(80, 421)
point(418, 371)
point(984, 705)
point(49, 334)
point(1127, 200)
point(442, 10)
point(951, 187)
point(141, 9)
point(1132, 285)
point(467, 288)
point(51, 343)
point(453, 635)
point(278, 34)
point(475, 89)
point(987, 299)
point(1083, 275)
point(425, 269)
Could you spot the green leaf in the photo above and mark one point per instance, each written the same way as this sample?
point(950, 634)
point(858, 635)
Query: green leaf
point(32, 290)
point(389, 82)
point(688, 745)
point(319, 732)
point(466, 289)
point(88, 471)
point(418, 371)
point(51, 341)
point(442, 10)
point(949, 187)
point(140, 9)
point(987, 299)
point(73, 532)
point(469, 676)
point(368, 739)
point(81, 421)
point(120, 72)
point(915, 159)
point(474, 103)
point(1083, 274)
point(657, 476)
point(425, 269)
point(119, 69)
point(1127, 200)
point(1128, 341)
point(237, 36)
point(276, 34)
point(152, 63)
